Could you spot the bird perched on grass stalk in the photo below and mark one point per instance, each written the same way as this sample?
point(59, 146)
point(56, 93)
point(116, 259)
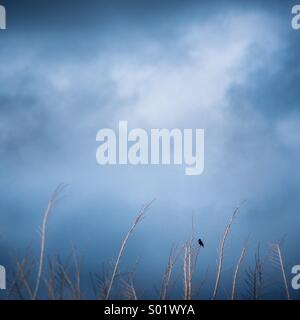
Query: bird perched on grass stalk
point(201, 244)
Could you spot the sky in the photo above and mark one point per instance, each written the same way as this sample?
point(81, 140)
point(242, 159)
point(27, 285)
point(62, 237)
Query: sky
point(68, 69)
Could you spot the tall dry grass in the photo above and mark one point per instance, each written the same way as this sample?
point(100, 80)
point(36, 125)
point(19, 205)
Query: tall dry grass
point(221, 253)
point(56, 279)
point(138, 219)
point(236, 272)
point(42, 232)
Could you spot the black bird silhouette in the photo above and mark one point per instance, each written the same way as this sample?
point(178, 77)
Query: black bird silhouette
point(201, 244)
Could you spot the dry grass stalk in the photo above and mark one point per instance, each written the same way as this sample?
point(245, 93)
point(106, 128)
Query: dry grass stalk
point(236, 273)
point(20, 279)
point(77, 275)
point(168, 273)
point(23, 276)
point(43, 238)
point(187, 273)
point(137, 220)
point(50, 282)
point(103, 283)
point(127, 285)
point(129, 291)
point(221, 253)
point(277, 259)
point(255, 279)
point(191, 251)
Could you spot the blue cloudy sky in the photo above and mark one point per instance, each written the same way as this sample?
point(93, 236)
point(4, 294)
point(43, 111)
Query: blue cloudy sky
point(70, 68)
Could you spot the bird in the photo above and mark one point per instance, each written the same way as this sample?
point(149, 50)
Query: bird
point(201, 244)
